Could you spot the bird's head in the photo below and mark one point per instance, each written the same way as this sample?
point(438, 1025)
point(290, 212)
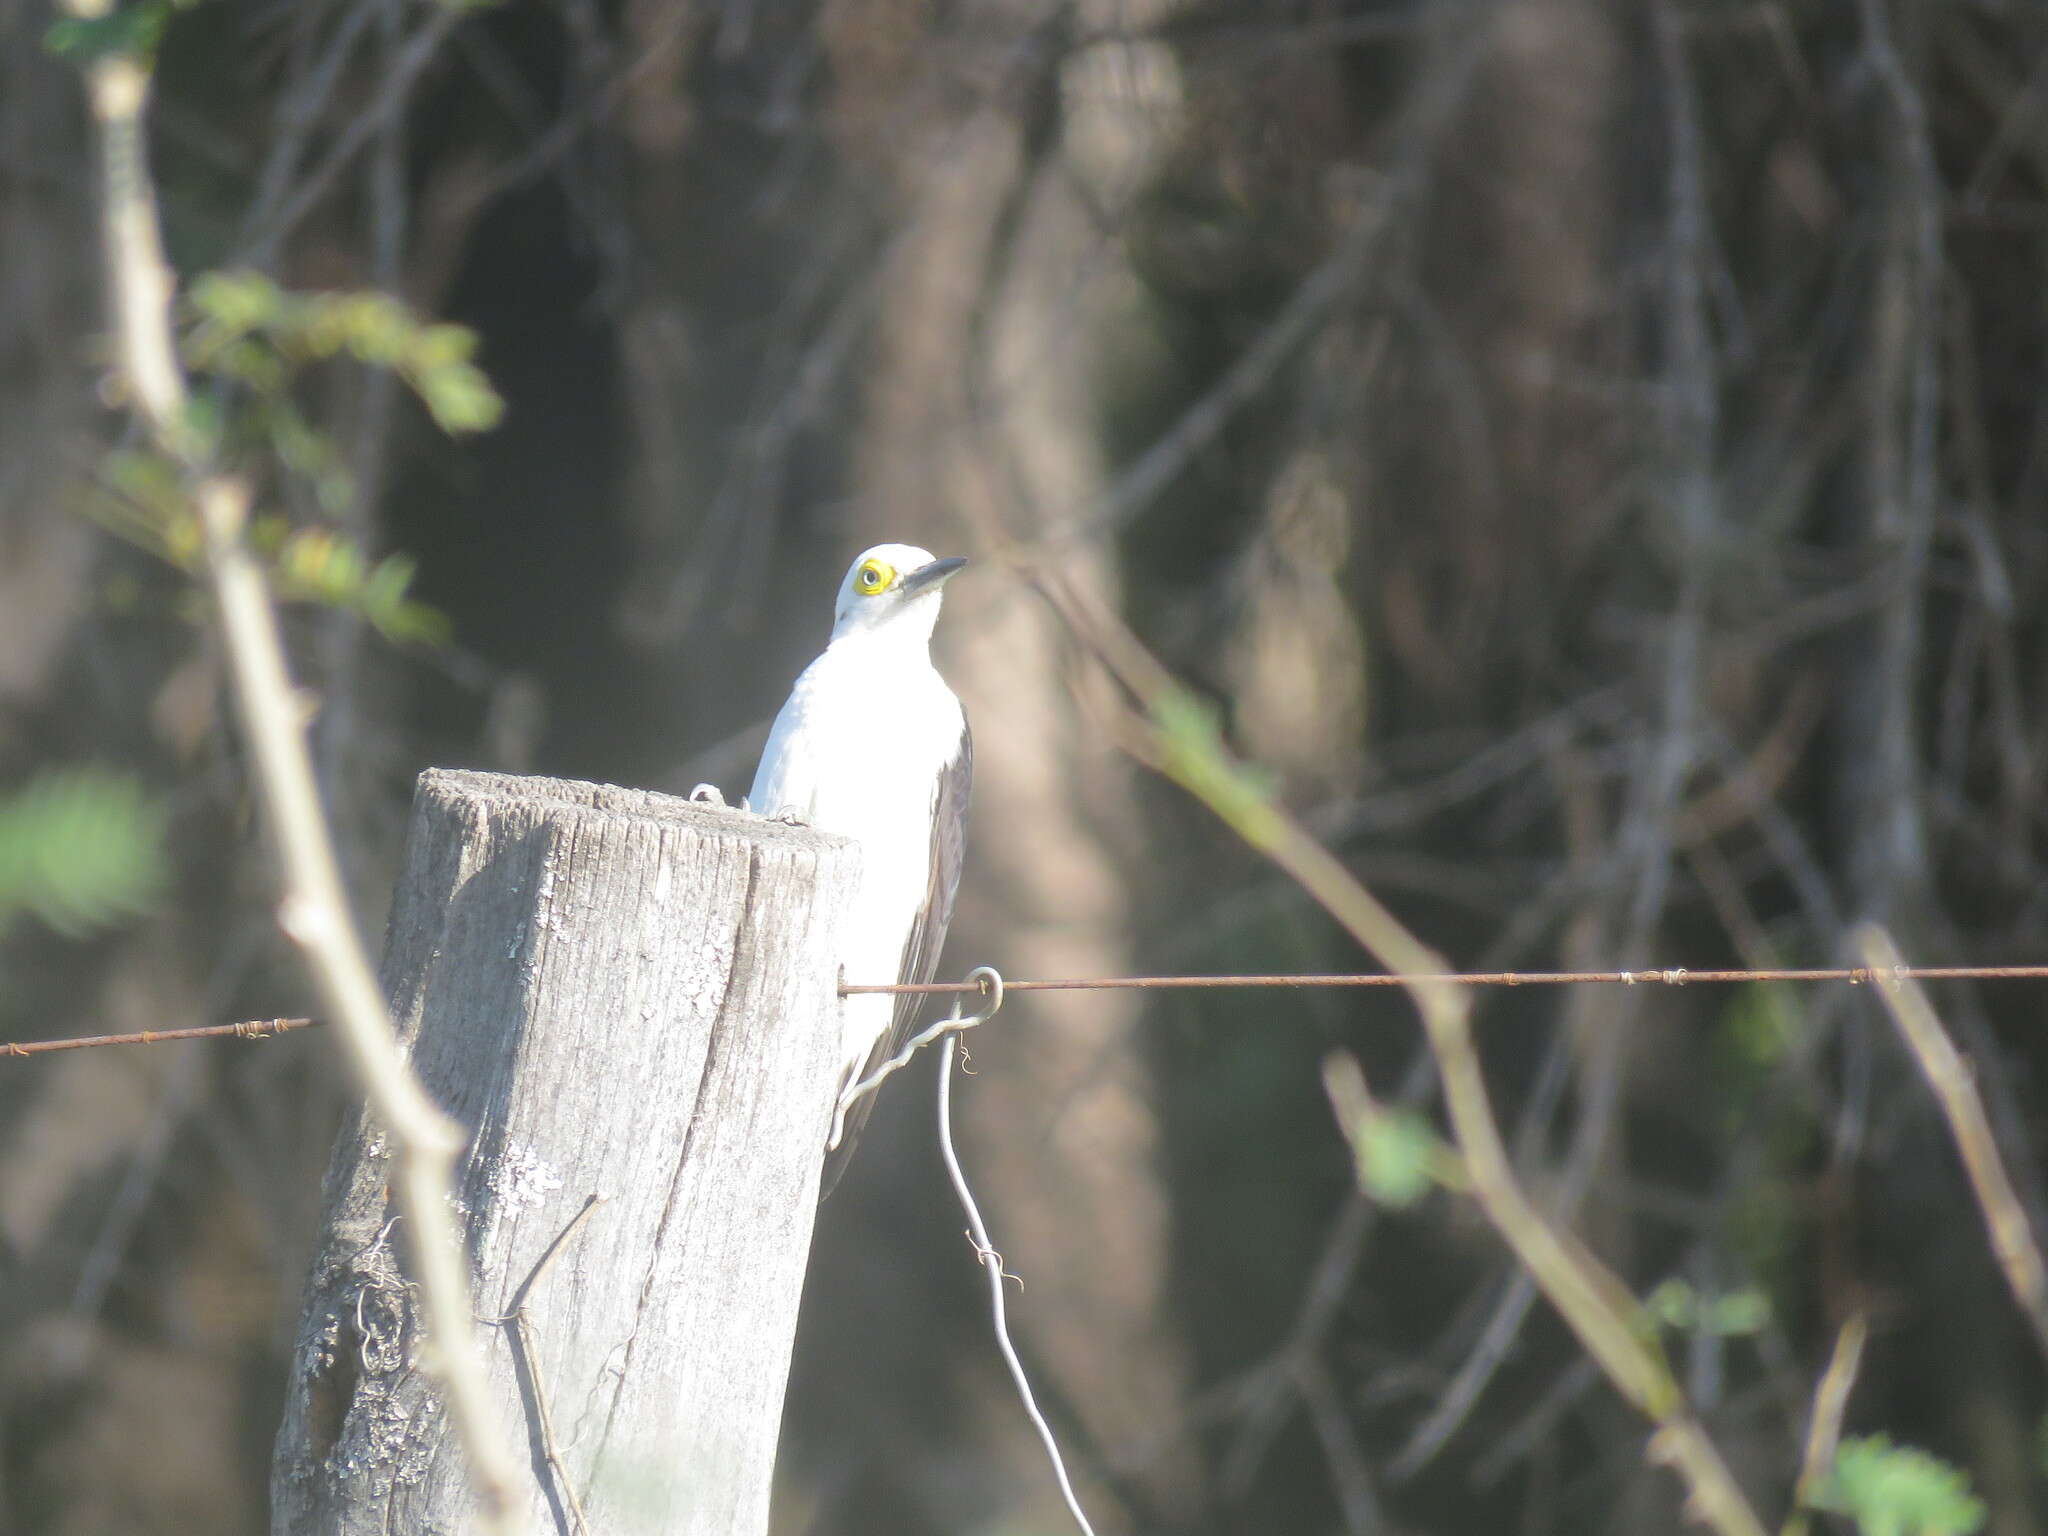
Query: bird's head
point(893, 588)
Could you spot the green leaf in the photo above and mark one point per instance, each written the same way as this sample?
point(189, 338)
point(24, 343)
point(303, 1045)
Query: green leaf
point(1736, 1314)
point(1676, 1305)
point(244, 327)
point(1398, 1152)
point(459, 398)
point(1899, 1491)
point(442, 346)
point(133, 30)
point(80, 848)
point(236, 303)
point(1673, 1304)
point(1190, 741)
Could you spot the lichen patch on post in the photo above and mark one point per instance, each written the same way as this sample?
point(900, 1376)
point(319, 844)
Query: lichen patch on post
point(521, 1178)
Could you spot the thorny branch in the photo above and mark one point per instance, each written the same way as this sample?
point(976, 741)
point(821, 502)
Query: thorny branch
point(313, 909)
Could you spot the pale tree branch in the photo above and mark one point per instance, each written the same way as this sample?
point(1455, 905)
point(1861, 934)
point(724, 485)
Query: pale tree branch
point(1824, 1425)
point(1955, 1088)
point(1163, 727)
point(313, 910)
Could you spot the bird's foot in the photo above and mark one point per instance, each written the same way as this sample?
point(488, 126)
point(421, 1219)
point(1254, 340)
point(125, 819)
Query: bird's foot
point(791, 816)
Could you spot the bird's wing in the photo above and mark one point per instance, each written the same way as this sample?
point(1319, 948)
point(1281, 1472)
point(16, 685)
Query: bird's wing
point(927, 938)
point(928, 932)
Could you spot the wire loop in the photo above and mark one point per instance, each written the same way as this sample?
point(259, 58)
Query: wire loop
point(990, 982)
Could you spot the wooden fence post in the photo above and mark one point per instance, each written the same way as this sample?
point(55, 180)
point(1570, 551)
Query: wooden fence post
point(625, 995)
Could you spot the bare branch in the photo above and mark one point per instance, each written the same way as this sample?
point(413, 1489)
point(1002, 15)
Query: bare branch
point(2012, 1239)
point(526, 1342)
point(313, 909)
point(246, 1029)
point(1824, 1429)
point(1593, 1302)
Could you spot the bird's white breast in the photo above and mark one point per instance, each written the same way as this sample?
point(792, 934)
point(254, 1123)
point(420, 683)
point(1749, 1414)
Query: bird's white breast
point(857, 750)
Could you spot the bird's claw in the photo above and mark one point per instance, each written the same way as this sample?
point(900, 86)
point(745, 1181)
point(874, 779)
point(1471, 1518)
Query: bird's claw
point(790, 816)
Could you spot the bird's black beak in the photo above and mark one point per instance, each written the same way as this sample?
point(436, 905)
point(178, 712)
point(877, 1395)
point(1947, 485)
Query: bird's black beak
point(932, 575)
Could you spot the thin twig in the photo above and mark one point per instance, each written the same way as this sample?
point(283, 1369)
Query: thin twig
point(248, 1029)
point(528, 1345)
point(313, 909)
point(298, 110)
point(1455, 1402)
point(1277, 1384)
point(992, 1262)
point(1331, 1420)
point(274, 218)
point(1511, 1445)
point(1593, 1302)
point(527, 1342)
point(1429, 114)
point(1824, 1431)
point(2012, 1239)
point(1353, 1104)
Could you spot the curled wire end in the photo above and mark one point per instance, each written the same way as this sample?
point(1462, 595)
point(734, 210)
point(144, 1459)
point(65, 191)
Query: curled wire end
point(990, 982)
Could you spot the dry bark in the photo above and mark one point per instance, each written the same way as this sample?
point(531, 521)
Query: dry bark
point(626, 997)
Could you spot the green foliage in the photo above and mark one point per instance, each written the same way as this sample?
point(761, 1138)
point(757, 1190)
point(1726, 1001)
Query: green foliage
point(1899, 1491)
point(246, 331)
point(79, 848)
point(246, 328)
point(143, 500)
point(132, 30)
point(1189, 739)
point(316, 565)
point(1398, 1153)
point(1678, 1306)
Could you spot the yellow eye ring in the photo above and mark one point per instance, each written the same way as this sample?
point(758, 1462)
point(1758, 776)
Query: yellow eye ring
point(873, 577)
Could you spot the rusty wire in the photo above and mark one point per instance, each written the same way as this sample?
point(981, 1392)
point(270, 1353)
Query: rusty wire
point(1855, 975)
point(1679, 976)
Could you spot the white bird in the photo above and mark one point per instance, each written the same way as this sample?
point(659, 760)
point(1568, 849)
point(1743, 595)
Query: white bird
point(873, 745)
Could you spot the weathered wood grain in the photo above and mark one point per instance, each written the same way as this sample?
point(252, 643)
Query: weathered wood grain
point(621, 994)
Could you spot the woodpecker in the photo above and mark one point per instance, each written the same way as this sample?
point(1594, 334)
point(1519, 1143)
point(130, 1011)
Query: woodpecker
point(874, 746)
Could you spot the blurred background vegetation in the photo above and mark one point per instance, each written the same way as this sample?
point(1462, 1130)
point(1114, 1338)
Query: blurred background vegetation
point(1594, 455)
